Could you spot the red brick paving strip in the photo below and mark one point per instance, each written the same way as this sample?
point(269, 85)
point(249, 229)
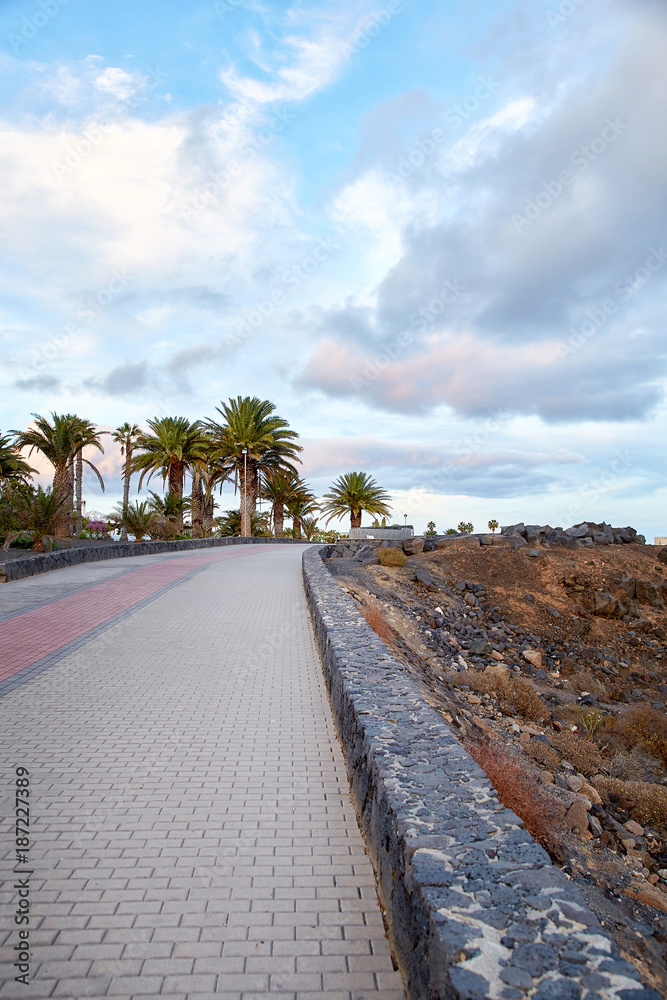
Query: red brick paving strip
point(29, 636)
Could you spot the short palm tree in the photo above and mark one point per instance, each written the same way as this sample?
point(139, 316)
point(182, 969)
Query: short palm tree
point(251, 442)
point(278, 488)
point(34, 512)
point(126, 436)
point(57, 441)
point(230, 523)
point(353, 493)
point(301, 504)
point(13, 467)
point(137, 519)
point(174, 446)
point(309, 527)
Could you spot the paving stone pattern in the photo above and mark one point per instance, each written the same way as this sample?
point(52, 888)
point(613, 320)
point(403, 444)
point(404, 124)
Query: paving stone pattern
point(474, 907)
point(192, 829)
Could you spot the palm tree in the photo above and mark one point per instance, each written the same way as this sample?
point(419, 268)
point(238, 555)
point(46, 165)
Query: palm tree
point(85, 435)
point(252, 442)
point(230, 524)
point(126, 436)
point(57, 442)
point(353, 493)
point(176, 445)
point(278, 489)
point(309, 527)
point(12, 466)
point(300, 504)
point(36, 512)
point(137, 518)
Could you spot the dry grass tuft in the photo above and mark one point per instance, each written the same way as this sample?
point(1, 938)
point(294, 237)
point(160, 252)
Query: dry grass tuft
point(543, 754)
point(583, 680)
point(582, 753)
point(636, 765)
point(643, 727)
point(646, 802)
point(392, 557)
point(519, 790)
point(378, 622)
point(516, 695)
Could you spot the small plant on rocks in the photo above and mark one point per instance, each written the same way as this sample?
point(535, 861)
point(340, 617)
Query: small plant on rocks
point(392, 557)
point(467, 527)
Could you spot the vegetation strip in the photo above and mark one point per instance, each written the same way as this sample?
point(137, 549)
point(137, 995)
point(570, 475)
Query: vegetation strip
point(474, 908)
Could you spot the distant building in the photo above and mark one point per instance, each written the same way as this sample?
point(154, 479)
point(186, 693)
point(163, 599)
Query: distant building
point(381, 534)
point(660, 541)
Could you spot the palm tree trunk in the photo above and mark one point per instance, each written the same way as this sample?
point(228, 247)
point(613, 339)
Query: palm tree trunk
point(207, 516)
point(247, 495)
point(296, 527)
point(78, 527)
point(62, 483)
point(126, 487)
point(355, 518)
point(176, 486)
point(197, 505)
point(278, 519)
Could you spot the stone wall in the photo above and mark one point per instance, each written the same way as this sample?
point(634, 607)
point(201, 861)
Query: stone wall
point(474, 907)
point(31, 565)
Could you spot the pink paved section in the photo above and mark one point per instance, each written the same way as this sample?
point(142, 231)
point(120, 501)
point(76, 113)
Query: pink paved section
point(31, 635)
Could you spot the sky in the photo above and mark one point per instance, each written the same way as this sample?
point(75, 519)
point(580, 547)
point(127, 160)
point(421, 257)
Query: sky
point(430, 231)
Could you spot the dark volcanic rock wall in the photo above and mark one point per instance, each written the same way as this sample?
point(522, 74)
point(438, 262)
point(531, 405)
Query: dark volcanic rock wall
point(474, 907)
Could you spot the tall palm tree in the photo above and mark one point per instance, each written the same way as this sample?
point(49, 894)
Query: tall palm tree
point(85, 435)
point(126, 436)
point(13, 466)
point(252, 442)
point(175, 445)
point(301, 503)
point(353, 493)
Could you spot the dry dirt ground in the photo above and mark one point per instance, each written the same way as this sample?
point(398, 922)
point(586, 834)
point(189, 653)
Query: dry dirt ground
point(563, 705)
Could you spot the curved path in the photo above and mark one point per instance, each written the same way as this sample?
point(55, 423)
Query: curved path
point(191, 830)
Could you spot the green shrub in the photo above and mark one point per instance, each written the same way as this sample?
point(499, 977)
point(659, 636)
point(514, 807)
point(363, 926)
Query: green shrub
point(392, 557)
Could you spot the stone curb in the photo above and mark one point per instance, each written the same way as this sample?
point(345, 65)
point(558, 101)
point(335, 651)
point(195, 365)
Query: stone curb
point(473, 905)
point(18, 569)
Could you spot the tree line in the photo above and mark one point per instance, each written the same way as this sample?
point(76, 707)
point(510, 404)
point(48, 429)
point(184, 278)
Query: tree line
point(246, 444)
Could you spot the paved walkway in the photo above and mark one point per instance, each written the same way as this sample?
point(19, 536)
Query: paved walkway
point(191, 830)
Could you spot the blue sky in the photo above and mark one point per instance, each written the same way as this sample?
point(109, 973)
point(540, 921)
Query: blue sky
point(429, 232)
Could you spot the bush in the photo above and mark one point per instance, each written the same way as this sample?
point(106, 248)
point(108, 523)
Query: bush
point(646, 802)
point(582, 753)
point(519, 790)
point(643, 727)
point(634, 766)
point(543, 754)
point(514, 693)
point(378, 622)
point(392, 557)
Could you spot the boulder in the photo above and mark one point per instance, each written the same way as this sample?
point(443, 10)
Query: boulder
point(413, 546)
point(624, 585)
point(534, 657)
point(605, 604)
point(579, 531)
point(652, 593)
point(532, 532)
point(662, 556)
point(479, 647)
point(421, 575)
point(514, 529)
point(497, 671)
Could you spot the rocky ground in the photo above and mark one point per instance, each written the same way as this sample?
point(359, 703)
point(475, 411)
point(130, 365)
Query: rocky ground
point(549, 659)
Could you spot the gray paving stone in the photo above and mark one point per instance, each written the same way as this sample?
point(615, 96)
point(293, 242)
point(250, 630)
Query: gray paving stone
point(192, 819)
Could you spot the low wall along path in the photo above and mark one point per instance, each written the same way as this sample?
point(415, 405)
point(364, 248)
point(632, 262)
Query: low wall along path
point(474, 907)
